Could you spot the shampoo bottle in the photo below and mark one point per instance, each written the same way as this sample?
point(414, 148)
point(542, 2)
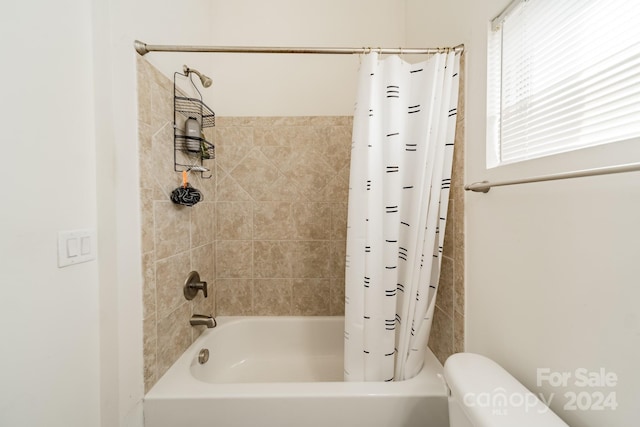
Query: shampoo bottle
point(192, 132)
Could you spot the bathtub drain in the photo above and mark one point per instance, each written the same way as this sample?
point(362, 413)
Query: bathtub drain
point(203, 356)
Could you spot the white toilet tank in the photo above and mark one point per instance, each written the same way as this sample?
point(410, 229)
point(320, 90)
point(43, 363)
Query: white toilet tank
point(483, 394)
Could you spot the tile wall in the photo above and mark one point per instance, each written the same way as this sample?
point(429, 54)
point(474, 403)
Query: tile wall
point(281, 214)
point(269, 236)
point(175, 239)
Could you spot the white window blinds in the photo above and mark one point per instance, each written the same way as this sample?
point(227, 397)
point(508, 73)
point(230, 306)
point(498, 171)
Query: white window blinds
point(563, 75)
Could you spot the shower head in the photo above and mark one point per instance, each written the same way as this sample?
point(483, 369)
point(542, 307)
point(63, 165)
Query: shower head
point(206, 81)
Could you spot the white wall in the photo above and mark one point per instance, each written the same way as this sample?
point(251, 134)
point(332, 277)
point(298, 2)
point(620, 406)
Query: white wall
point(432, 23)
point(49, 362)
point(265, 84)
point(295, 85)
point(117, 24)
point(552, 271)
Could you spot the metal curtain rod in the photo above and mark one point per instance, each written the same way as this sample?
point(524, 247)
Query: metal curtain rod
point(485, 186)
point(143, 48)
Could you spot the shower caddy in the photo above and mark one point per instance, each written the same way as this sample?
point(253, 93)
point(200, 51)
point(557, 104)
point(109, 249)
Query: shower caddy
point(183, 144)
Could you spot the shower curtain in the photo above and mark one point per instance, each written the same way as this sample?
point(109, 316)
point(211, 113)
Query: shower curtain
point(402, 152)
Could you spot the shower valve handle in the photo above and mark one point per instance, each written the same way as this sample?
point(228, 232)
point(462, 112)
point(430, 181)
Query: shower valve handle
point(200, 286)
point(192, 285)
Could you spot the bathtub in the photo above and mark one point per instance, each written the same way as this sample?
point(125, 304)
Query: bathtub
point(286, 371)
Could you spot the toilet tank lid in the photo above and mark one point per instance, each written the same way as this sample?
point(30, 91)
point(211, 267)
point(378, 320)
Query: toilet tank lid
point(491, 397)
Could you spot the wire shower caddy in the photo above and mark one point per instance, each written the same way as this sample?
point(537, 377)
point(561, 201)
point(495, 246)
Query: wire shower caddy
point(185, 158)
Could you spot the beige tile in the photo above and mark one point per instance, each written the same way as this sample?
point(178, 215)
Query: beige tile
point(174, 336)
point(234, 220)
point(339, 221)
point(458, 332)
point(144, 91)
point(462, 87)
point(309, 137)
point(255, 174)
point(234, 259)
point(272, 259)
point(171, 228)
point(345, 174)
point(147, 223)
point(272, 221)
point(458, 232)
point(202, 224)
point(336, 297)
point(335, 190)
point(233, 136)
point(210, 134)
point(281, 157)
point(149, 285)
point(310, 259)
point(160, 79)
point(338, 257)
point(311, 221)
point(458, 286)
point(331, 121)
point(243, 121)
point(311, 297)
point(202, 261)
point(310, 172)
point(229, 156)
point(227, 189)
point(441, 338)
point(226, 121)
point(150, 340)
point(283, 189)
point(449, 243)
point(286, 159)
point(270, 136)
point(146, 159)
point(161, 106)
point(170, 276)
point(288, 136)
point(444, 298)
point(336, 149)
point(272, 297)
point(234, 297)
point(289, 121)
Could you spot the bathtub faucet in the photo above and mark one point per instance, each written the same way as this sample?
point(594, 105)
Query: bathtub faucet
point(201, 319)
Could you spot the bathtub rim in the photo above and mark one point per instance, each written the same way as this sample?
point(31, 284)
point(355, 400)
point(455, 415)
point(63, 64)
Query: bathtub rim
point(178, 383)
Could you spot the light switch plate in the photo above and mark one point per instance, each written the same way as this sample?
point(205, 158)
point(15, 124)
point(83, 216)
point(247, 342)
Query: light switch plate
point(76, 246)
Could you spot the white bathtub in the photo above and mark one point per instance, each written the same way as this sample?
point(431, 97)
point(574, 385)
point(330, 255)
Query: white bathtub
point(286, 371)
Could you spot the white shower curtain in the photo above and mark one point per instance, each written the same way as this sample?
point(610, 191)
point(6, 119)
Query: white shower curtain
point(402, 151)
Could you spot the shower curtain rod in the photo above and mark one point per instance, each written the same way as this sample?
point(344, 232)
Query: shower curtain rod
point(143, 48)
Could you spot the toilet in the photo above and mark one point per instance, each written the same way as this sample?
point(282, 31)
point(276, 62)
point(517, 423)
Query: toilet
point(483, 394)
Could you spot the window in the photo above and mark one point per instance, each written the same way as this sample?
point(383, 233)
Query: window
point(563, 75)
